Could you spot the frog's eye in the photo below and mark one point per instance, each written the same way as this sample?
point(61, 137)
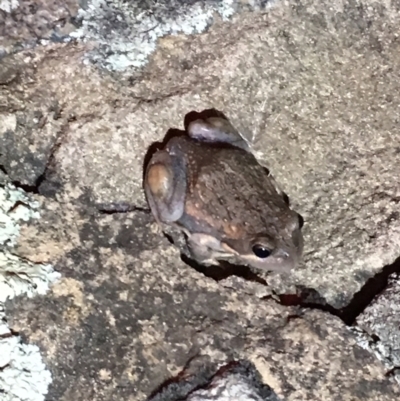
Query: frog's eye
point(261, 251)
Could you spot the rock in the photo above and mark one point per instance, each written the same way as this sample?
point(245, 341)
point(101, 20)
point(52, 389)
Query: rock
point(128, 315)
point(381, 322)
point(327, 126)
point(312, 85)
point(23, 375)
point(27, 23)
point(30, 124)
point(237, 380)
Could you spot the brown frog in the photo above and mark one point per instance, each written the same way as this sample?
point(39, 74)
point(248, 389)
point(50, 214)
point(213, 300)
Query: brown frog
point(210, 186)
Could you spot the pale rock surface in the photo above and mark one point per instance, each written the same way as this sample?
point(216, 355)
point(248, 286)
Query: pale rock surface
point(313, 85)
point(381, 322)
point(128, 315)
point(23, 375)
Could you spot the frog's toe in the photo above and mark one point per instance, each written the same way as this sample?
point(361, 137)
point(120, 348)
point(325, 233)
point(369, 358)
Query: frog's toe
point(216, 129)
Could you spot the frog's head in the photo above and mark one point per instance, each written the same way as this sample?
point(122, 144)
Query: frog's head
point(280, 252)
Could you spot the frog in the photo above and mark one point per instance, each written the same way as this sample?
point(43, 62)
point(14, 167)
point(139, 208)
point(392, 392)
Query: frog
point(208, 185)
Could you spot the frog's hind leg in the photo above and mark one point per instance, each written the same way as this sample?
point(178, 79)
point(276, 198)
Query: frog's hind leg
point(217, 129)
point(165, 186)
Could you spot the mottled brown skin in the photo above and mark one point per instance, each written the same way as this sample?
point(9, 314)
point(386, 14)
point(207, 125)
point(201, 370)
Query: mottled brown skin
point(222, 199)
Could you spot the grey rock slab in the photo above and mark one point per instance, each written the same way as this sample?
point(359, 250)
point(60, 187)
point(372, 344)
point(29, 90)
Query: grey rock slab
point(238, 380)
point(30, 123)
point(125, 34)
point(4, 179)
point(381, 321)
point(23, 375)
point(57, 105)
point(128, 315)
point(26, 23)
point(314, 86)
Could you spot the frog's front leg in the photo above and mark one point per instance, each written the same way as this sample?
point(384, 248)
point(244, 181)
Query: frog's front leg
point(206, 249)
point(165, 186)
point(216, 129)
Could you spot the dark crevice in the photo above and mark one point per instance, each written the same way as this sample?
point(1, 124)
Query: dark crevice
point(41, 179)
point(310, 298)
point(203, 376)
point(11, 333)
point(300, 299)
point(223, 271)
point(22, 277)
point(375, 338)
point(32, 189)
point(373, 287)
point(1, 369)
point(16, 205)
point(306, 297)
point(182, 375)
point(120, 207)
point(393, 372)
point(169, 238)
point(3, 169)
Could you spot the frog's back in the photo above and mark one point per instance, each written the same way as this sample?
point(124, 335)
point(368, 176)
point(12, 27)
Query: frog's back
point(230, 191)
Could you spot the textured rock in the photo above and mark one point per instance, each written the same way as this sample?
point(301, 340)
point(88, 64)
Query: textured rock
point(23, 375)
point(381, 321)
point(30, 123)
point(314, 87)
point(26, 23)
point(323, 117)
point(237, 380)
point(128, 315)
point(126, 33)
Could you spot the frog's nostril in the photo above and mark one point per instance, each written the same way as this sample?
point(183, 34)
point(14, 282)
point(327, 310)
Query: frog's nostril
point(285, 255)
point(261, 251)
